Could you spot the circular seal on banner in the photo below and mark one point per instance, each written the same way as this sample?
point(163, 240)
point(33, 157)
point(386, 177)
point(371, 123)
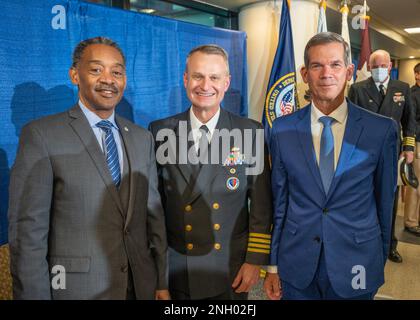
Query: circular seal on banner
point(280, 98)
point(232, 183)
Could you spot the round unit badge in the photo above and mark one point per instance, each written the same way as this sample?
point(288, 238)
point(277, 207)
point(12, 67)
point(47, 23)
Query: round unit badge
point(232, 183)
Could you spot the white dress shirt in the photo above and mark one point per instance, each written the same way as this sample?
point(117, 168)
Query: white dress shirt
point(196, 124)
point(338, 127)
point(385, 84)
point(93, 119)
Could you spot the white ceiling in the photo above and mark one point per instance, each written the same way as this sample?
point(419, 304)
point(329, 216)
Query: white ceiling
point(386, 15)
point(399, 14)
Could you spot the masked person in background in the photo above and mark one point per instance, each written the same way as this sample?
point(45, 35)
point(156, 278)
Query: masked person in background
point(391, 98)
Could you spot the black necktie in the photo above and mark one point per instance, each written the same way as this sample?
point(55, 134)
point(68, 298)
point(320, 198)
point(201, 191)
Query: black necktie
point(203, 150)
point(203, 143)
point(382, 91)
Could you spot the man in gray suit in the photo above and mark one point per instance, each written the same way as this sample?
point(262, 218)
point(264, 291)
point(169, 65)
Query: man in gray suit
point(86, 220)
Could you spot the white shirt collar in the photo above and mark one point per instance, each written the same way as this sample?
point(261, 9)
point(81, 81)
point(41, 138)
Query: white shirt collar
point(211, 124)
point(93, 118)
point(384, 83)
point(339, 114)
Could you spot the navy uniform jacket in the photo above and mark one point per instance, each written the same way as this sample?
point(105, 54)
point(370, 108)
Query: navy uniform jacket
point(213, 229)
point(415, 94)
point(397, 105)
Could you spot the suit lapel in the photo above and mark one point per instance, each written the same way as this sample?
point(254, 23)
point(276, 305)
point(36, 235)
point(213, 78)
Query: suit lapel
point(184, 167)
point(350, 139)
point(392, 88)
point(134, 166)
point(303, 128)
point(373, 92)
point(82, 128)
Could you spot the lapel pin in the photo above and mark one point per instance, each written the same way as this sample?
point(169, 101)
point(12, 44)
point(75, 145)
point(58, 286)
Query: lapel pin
point(126, 129)
point(232, 183)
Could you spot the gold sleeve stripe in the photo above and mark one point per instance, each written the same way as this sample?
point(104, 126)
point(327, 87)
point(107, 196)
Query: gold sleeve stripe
point(404, 178)
point(260, 235)
point(259, 240)
point(259, 250)
point(256, 245)
point(409, 141)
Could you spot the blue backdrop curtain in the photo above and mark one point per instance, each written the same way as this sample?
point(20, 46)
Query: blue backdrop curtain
point(36, 42)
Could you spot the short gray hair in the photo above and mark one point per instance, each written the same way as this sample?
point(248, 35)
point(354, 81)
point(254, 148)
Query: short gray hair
point(81, 47)
point(324, 38)
point(210, 49)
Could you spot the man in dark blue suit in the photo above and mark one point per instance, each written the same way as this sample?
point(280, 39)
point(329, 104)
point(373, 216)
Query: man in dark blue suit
point(333, 179)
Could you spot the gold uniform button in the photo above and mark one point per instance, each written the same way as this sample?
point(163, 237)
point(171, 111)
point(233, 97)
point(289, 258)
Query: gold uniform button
point(188, 208)
point(232, 171)
point(216, 226)
point(217, 246)
point(215, 206)
point(188, 227)
point(190, 246)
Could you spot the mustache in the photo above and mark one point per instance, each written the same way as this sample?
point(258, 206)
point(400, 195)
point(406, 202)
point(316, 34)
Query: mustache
point(111, 88)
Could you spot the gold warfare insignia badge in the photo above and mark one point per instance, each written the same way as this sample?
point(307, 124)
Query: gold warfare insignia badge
point(398, 97)
point(234, 158)
point(281, 98)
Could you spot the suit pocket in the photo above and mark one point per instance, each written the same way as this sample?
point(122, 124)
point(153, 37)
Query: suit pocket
point(291, 226)
point(71, 264)
point(366, 235)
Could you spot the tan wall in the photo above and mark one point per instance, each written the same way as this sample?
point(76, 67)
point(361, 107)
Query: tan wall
point(261, 23)
point(406, 72)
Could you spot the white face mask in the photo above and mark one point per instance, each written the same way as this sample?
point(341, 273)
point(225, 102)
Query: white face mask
point(379, 74)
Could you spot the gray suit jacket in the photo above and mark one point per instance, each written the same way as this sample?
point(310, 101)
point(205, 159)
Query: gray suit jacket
point(65, 210)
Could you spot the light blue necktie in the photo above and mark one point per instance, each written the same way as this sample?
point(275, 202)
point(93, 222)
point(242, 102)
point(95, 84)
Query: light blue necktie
point(326, 153)
point(111, 151)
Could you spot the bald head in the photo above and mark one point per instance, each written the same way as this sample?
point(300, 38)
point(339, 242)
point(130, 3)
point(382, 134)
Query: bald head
point(380, 59)
point(380, 66)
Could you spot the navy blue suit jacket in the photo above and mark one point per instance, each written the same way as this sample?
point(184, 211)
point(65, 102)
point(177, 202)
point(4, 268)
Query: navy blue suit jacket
point(352, 221)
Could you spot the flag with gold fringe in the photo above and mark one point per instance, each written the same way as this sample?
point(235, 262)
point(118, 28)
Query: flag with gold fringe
point(322, 19)
point(281, 98)
point(345, 34)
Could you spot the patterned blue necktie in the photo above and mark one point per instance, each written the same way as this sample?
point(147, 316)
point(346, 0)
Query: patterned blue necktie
point(111, 151)
point(326, 153)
